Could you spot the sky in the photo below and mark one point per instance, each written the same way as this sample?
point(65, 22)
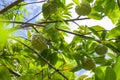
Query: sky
point(5, 2)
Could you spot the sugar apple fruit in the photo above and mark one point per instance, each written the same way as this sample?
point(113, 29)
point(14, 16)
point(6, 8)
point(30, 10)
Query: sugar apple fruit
point(39, 42)
point(83, 9)
point(49, 7)
point(101, 49)
point(88, 64)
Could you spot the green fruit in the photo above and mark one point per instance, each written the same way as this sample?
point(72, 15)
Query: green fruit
point(52, 7)
point(101, 49)
point(88, 64)
point(49, 8)
point(39, 42)
point(84, 9)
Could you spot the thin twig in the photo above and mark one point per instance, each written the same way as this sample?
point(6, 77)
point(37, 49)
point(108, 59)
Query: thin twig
point(31, 3)
point(10, 6)
point(26, 24)
point(16, 15)
point(77, 34)
point(35, 29)
point(54, 21)
point(34, 16)
point(77, 24)
point(15, 73)
point(42, 58)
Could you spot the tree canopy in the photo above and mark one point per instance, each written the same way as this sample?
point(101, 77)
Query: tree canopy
point(42, 52)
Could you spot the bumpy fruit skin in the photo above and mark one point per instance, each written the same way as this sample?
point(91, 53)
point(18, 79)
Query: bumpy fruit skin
point(84, 9)
point(39, 42)
point(101, 49)
point(49, 7)
point(88, 64)
point(52, 7)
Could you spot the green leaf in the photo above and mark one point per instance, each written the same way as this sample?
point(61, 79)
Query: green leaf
point(56, 76)
point(109, 6)
point(82, 77)
point(4, 73)
point(95, 15)
point(117, 68)
point(64, 26)
point(4, 34)
point(76, 2)
point(76, 68)
point(28, 34)
point(22, 60)
point(46, 54)
point(98, 28)
point(87, 1)
point(99, 2)
point(54, 35)
point(115, 14)
point(103, 35)
point(115, 32)
point(27, 77)
point(94, 32)
point(108, 62)
point(98, 8)
point(88, 79)
point(118, 2)
point(78, 57)
point(100, 60)
point(70, 75)
point(59, 3)
point(69, 6)
point(46, 10)
point(113, 47)
point(110, 74)
point(53, 58)
point(49, 26)
point(99, 74)
point(111, 55)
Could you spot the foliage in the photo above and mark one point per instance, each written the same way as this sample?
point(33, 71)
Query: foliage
point(60, 60)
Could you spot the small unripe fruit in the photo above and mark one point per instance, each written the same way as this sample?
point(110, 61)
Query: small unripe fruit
point(49, 7)
point(101, 49)
point(84, 9)
point(39, 42)
point(52, 7)
point(88, 64)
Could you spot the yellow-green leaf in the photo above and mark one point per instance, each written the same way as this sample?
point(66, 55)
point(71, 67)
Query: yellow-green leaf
point(4, 73)
point(117, 68)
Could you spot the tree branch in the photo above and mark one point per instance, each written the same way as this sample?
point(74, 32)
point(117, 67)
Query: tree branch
point(10, 6)
point(24, 24)
point(54, 21)
point(27, 24)
point(40, 24)
point(42, 58)
point(32, 3)
point(77, 34)
point(15, 73)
